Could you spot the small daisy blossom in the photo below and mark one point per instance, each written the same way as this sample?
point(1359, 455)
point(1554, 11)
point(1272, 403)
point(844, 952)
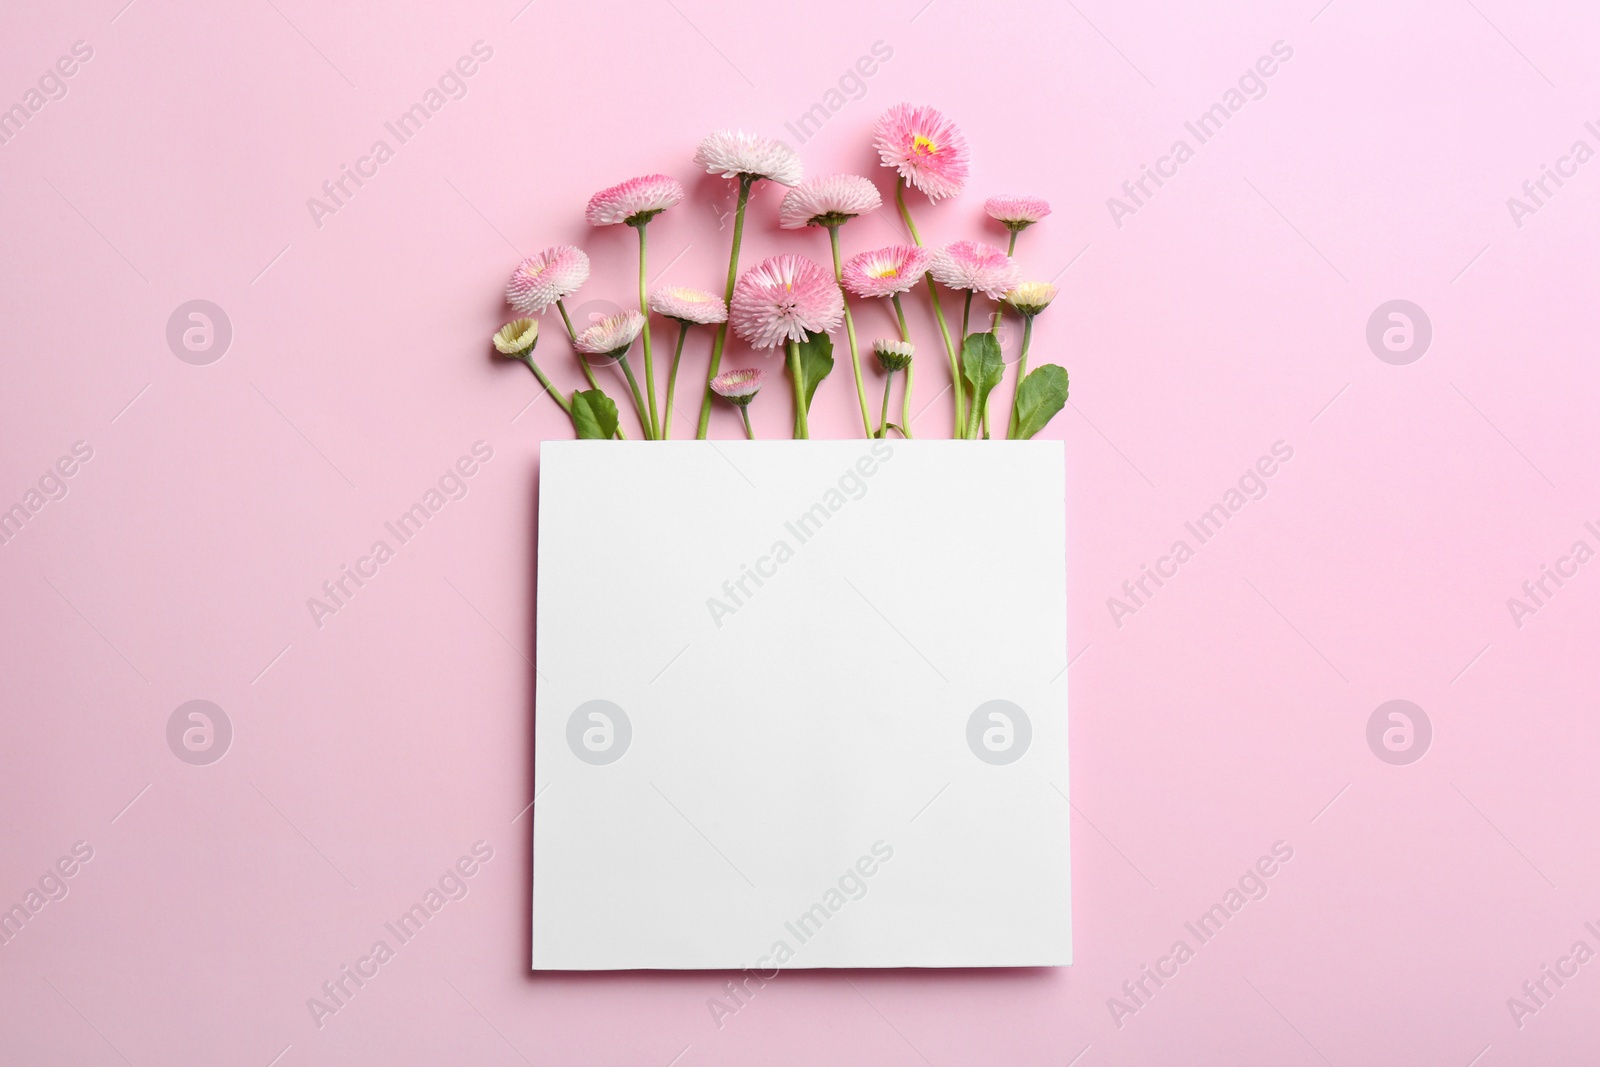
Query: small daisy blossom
point(541, 280)
point(924, 147)
point(1030, 298)
point(634, 201)
point(688, 305)
point(828, 201)
point(893, 355)
point(784, 298)
point(611, 335)
point(739, 386)
point(886, 271)
point(976, 266)
point(732, 153)
point(517, 337)
point(1016, 212)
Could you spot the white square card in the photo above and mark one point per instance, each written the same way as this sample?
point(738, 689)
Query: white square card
point(801, 704)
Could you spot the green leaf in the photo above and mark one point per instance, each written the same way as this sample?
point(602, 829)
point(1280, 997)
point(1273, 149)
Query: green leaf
point(816, 362)
point(1042, 393)
point(983, 367)
point(594, 415)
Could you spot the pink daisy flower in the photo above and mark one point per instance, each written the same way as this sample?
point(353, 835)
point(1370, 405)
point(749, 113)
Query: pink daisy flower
point(635, 201)
point(784, 298)
point(739, 386)
point(541, 280)
point(688, 305)
point(828, 201)
point(732, 153)
point(925, 147)
point(612, 334)
point(1016, 212)
point(885, 272)
point(976, 266)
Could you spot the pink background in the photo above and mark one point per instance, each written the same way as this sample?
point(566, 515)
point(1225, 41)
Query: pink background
point(1229, 713)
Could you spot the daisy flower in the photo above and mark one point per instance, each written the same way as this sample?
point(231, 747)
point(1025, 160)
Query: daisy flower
point(1016, 212)
point(828, 201)
point(975, 267)
point(635, 201)
point(516, 339)
point(1030, 298)
point(736, 154)
point(784, 298)
point(831, 202)
point(739, 387)
point(546, 278)
point(885, 272)
point(893, 355)
point(924, 147)
point(1027, 299)
point(928, 152)
point(750, 158)
point(688, 305)
point(889, 272)
point(611, 335)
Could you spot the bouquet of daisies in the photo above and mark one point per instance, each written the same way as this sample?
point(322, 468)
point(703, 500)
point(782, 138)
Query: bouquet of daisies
point(793, 303)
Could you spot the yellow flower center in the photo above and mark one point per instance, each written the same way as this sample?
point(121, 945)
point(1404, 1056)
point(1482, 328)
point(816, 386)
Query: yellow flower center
point(887, 272)
point(923, 145)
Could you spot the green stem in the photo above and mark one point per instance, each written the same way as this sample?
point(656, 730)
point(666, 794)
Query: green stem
point(572, 335)
point(1022, 372)
point(905, 402)
point(745, 182)
point(638, 400)
point(999, 305)
point(802, 429)
point(672, 380)
point(938, 312)
point(744, 413)
point(955, 363)
point(883, 418)
point(905, 397)
point(905, 213)
point(566, 405)
point(649, 361)
point(961, 383)
point(850, 331)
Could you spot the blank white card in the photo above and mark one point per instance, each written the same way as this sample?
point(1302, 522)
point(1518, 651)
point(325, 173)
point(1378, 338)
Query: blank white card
point(801, 704)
